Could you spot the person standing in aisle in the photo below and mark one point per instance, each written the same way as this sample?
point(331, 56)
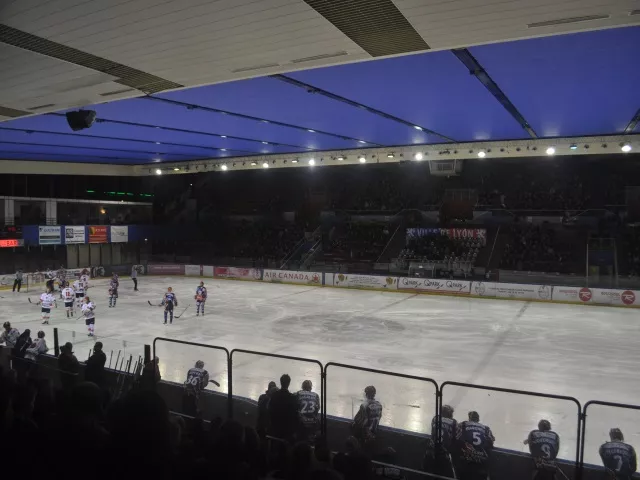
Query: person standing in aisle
point(134, 277)
point(18, 281)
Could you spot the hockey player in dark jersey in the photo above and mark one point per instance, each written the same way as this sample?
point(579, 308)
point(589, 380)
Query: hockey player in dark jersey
point(544, 445)
point(114, 283)
point(438, 457)
point(168, 302)
point(475, 441)
point(619, 458)
point(201, 298)
point(365, 423)
point(309, 411)
point(197, 380)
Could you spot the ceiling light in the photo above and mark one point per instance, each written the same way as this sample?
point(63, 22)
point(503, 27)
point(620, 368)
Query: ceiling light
point(253, 164)
point(362, 141)
point(626, 148)
point(295, 160)
point(265, 165)
point(418, 156)
point(362, 160)
point(158, 143)
point(158, 171)
point(482, 154)
point(312, 162)
point(390, 155)
point(573, 146)
point(417, 127)
point(551, 151)
point(341, 158)
point(223, 149)
point(223, 136)
point(223, 167)
point(176, 169)
point(265, 143)
point(311, 131)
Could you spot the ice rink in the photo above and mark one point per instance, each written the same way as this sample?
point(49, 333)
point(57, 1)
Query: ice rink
point(585, 352)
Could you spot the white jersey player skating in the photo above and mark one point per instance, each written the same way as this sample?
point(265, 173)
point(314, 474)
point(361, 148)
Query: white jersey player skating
point(78, 287)
point(68, 296)
point(89, 316)
point(47, 301)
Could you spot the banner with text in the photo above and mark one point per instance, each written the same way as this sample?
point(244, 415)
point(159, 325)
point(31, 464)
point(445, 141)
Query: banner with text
point(364, 281)
point(50, 235)
point(454, 233)
point(98, 234)
point(207, 271)
point(288, 276)
point(625, 298)
point(457, 287)
point(512, 290)
point(119, 234)
point(193, 270)
point(74, 234)
point(165, 269)
point(239, 273)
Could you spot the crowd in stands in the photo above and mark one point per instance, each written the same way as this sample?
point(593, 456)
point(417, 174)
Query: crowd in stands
point(441, 249)
point(356, 242)
point(631, 246)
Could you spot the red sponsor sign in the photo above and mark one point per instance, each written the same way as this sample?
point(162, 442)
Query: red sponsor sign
point(11, 242)
point(585, 294)
point(165, 269)
point(628, 297)
point(98, 234)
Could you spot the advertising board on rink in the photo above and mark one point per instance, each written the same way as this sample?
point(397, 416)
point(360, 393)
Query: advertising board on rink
point(239, 273)
point(290, 276)
point(364, 281)
point(458, 287)
point(165, 269)
point(601, 296)
point(512, 290)
point(193, 270)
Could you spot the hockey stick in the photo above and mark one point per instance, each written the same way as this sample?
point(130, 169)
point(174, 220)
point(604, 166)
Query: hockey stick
point(153, 305)
point(185, 309)
point(214, 382)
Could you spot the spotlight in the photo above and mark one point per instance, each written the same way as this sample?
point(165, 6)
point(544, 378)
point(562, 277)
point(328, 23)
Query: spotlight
point(265, 143)
point(223, 136)
point(158, 171)
point(312, 162)
point(223, 167)
point(390, 155)
point(573, 146)
point(176, 169)
point(265, 165)
point(158, 143)
point(417, 127)
point(361, 141)
point(295, 160)
point(626, 148)
point(311, 131)
point(253, 164)
point(551, 151)
point(482, 154)
point(418, 156)
point(340, 158)
point(362, 160)
point(223, 149)
point(81, 119)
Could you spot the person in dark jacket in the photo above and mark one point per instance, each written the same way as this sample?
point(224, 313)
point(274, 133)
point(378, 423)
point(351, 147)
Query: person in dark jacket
point(22, 343)
point(262, 424)
point(69, 367)
point(94, 371)
point(150, 375)
point(283, 411)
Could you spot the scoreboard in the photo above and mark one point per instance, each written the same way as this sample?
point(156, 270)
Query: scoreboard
point(11, 236)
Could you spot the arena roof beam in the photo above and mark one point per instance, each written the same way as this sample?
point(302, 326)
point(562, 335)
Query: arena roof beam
point(633, 123)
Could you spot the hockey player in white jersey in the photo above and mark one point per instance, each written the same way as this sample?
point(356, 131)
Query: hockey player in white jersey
point(47, 301)
point(84, 278)
point(89, 317)
point(78, 287)
point(68, 296)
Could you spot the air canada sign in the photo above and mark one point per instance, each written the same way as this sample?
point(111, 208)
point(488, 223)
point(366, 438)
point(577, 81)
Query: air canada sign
point(289, 276)
point(459, 287)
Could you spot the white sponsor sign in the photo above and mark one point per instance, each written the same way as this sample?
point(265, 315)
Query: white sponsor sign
point(119, 233)
point(512, 290)
point(364, 281)
point(207, 271)
point(460, 287)
point(626, 298)
point(74, 234)
point(193, 270)
point(77, 272)
point(289, 276)
point(50, 235)
point(236, 272)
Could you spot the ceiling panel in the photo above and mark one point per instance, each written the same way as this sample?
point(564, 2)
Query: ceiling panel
point(581, 84)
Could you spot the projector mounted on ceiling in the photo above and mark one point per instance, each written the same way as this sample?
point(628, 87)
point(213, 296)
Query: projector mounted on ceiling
point(81, 119)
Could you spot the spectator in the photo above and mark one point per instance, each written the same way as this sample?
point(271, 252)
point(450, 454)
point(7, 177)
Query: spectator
point(353, 464)
point(365, 423)
point(69, 367)
point(262, 425)
point(150, 375)
point(18, 281)
point(94, 370)
point(9, 336)
point(22, 343)
point(476, 443)
point(544, 445)
point(308, 410)
point(36, 348)
point(283, 411)
point(619, 458)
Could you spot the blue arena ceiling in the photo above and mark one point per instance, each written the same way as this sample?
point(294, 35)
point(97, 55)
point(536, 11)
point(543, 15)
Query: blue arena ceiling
point(570, 85)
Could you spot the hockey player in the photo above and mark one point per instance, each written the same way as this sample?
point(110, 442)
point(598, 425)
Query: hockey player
point(197, 380)
point(89, 317)
point(201, 297)
point(309, 411)
point(38, 346)
point(78, 287)
point(168, 302)
point(365, 423)
point(476, 442)
point(47, 300)
point(113, 290)
point(544, 445)
point(438, 458)
point(68, 295)
point(619, 458)
point(84, 278)
point(61, 275)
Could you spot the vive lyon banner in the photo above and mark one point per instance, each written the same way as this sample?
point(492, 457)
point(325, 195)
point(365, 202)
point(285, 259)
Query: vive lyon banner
point(364, 281)
point(74, 234)
point(288, 276)
point(50, 235)
point(459, 287)
point(240, 273)
point(119, 234)
point(98, 234)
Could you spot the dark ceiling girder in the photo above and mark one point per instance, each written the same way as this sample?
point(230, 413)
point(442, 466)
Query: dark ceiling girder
point(194, 106)
point(311, 89)
point(476, 69)
point(633, 123)
point(79, 147)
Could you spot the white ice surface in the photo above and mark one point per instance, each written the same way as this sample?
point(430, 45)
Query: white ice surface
point(580, 351)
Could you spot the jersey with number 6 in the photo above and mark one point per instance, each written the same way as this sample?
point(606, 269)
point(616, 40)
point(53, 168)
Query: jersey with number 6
point(619, 457)
point(197, 380)
point(544, 444)
point(308, 407)
point(476, 436)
